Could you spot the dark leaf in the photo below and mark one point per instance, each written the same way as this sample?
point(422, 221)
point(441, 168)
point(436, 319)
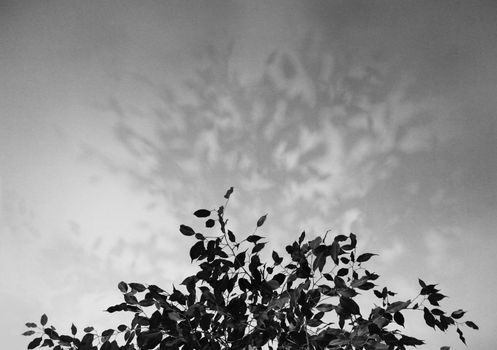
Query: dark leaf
point(34, 343)
point(228, 193)
point(302, 236)
point(31, 325)
point(51, 333)
point(197, 250)
point(47, 342)
point(471, 324)
point(244, 284)
point(435, 298)
point(445, 348)
point(186, 230)
point(458, 314)
point(421, 283)
point(429, 318)
point(399, 318)
point(66, 339)
point(334, 250)
point(353, 240)
point(253, 238)
point(28, 333)
point(231, 236)
point(258, 247)
point(44, 319)
point(88, 329)
point(138, 287)
point(210, 223)
point(366, 286)
point(239, 260)
point(437, 312)
point(350, 306)
point(273, 284)
point(277, 259)
point(202, 213)
point(130, 299)
point(115, 308)
point(410, 341)
point(199, 236)
point(365, 257)
point(107, 333)
point(314, 322)
point(74, 330)
point(325, 307)
point(123, 287)
point(461, 336)
point(261, 220)
point(397, 306)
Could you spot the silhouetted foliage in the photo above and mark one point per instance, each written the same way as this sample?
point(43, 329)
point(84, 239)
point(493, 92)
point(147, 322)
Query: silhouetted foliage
point(304, 298)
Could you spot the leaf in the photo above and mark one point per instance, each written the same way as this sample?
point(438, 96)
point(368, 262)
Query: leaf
point(429, 318)
point(74, 330)
point(210, 223)
point(107, 333)
point(31, 325)
point(302, 236)
point(202, 213)
point(461, 336)
point(186, 230)
point(399, 318)
point(253, 238)
point(123, 287)
point(239, 260)
point(228, 193)
point(410, 341)
point(320, 261)
point(435, 298)
point(353, 240)
point(350, 306)
point(51, 333)
point(44, 319)
point(367, 286)
point(397, 306)
point(27, 333)
point(34, 343)
point(47, 342)
point(231, 236)
point(334, 250)
point(88, 329)
point(421, 283)
point(437, 312)
point(277, 259)
point(258, 247)
point(261, 220)
point(197, 250)
point(325, 307)
point(445, 348)
point(458, 314)
point(138, 287)
point(365, 257)
point(130, 299)
point(273, 284)
point(471, 324)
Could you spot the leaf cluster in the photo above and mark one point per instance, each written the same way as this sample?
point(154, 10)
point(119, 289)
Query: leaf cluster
point(302, 298)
